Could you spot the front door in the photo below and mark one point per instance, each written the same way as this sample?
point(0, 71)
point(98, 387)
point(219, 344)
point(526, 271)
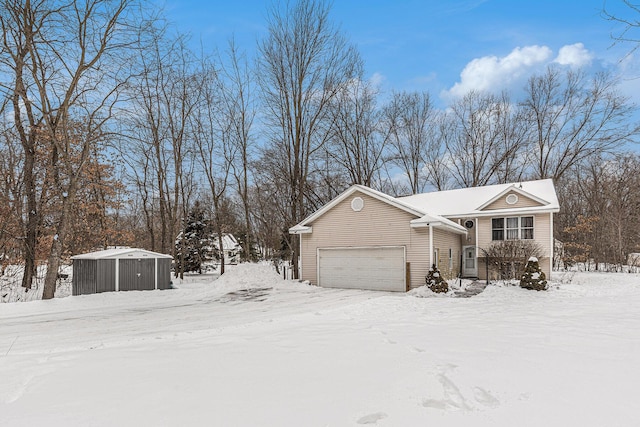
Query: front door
point(469, 262)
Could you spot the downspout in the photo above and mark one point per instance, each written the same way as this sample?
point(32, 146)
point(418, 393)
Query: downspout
point(431, 262)
point(300, 259)
point(477, 251)
point(551, 243)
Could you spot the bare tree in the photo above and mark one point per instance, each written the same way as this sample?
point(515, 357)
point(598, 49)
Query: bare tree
point(237, 107)
point(482, 140)
point(164, 96)
point(630, 24)
point(216, 141)
point(410, 118)
point(573, 117)
point(357, 141)
point(304, 61)
point(64, 59)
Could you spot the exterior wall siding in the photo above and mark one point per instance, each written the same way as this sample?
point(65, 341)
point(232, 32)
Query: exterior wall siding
point(523, 202)
point(541, 235)
point(444, 242)
point(164, 273)
point(84, 277)
point(377, 224)
point(106, 275)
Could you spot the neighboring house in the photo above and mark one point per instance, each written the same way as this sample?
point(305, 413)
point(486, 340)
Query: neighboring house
point(633, 260)
point(230, 246)
point(366, 239)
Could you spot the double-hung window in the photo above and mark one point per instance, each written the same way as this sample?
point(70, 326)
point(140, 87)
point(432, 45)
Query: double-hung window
point(512, 228)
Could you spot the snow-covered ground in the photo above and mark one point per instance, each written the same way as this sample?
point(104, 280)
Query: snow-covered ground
point(250, 349)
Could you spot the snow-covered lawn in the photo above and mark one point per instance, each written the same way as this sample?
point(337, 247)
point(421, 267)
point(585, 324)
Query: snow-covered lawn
point(288, 354)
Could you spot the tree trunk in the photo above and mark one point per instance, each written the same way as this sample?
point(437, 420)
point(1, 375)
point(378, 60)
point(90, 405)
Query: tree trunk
point(57, 246)
point(220, 245)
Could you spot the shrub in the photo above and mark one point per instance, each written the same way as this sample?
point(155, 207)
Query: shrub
point(435, 282)
point(533, 276)
point(508, 257)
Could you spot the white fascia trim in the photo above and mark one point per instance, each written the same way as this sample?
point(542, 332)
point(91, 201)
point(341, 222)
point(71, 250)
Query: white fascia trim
point(517, 190)
point(365, 190)
point(301, 229)
point(503, 212)
point(439, 224)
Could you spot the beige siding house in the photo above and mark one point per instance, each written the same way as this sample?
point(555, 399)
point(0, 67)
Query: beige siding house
point(365, 239)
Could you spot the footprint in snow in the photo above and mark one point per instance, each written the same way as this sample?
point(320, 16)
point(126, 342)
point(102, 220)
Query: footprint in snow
point(485, 398)
point(453, 398)
point(372, 418)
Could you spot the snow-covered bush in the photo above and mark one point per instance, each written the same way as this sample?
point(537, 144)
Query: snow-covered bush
point(533, 276)
point(435, 282)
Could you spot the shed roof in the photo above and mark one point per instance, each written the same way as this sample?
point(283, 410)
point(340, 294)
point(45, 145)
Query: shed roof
point(121, 253)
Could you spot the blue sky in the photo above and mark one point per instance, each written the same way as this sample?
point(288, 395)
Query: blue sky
point(444, 47)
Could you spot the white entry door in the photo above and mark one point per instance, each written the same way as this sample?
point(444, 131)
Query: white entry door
point(374, 268)
point(469, 262)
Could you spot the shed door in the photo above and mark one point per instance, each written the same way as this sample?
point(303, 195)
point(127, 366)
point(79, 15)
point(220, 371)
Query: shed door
point(373, 268)
point(137, 274)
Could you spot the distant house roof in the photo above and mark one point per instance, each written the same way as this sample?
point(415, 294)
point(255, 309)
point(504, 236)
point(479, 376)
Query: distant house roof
point(471, 201)
point(121, 253)
point(229, 242)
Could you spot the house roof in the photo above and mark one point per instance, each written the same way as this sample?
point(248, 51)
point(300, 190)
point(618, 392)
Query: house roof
point(471, 201)
point(423, 218)
point(121, 253)
point(229, 242)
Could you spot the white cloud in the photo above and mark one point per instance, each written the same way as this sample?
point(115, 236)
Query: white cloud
point(377, 79)
point(574, 55)
point(494, 73)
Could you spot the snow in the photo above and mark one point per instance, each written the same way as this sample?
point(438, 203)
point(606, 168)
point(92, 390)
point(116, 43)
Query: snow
point(251, 349)
point(467, 201)
point(119, 253)
point(533, 259)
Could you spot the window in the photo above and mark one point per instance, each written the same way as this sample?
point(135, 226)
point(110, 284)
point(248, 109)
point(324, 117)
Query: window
point(497, 224)
point(436, 254)
point(450, 259)
point(526, 227)
point(512, 228)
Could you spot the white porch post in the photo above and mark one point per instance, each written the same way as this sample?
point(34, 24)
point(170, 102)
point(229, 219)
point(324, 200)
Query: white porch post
point(155, 278)
point(431, 246)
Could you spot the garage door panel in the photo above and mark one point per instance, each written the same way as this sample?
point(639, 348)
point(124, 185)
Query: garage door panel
point(375, 268)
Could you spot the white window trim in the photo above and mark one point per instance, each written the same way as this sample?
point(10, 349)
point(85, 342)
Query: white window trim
point(520, 229)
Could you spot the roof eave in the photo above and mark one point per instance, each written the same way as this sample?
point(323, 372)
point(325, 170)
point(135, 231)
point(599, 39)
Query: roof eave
point(496, 212)
point(301, 229)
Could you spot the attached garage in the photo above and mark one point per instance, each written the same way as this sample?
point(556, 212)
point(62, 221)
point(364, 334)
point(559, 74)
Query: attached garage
point(379, 268)
point(125, 269)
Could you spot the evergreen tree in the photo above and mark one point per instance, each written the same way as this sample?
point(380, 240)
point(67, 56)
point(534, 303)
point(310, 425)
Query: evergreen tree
point(533, 276)
point(435, 282)
point(192, 243)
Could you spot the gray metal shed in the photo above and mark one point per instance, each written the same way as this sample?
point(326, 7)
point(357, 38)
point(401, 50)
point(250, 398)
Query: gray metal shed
point(127, 269)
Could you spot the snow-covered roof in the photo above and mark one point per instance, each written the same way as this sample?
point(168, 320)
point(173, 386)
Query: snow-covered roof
point(424, 217)
point(229, 242)
point(121, 253)
point(470, 201)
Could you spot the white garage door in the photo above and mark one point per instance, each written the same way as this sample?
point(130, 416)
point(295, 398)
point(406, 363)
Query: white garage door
point(375, 268)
